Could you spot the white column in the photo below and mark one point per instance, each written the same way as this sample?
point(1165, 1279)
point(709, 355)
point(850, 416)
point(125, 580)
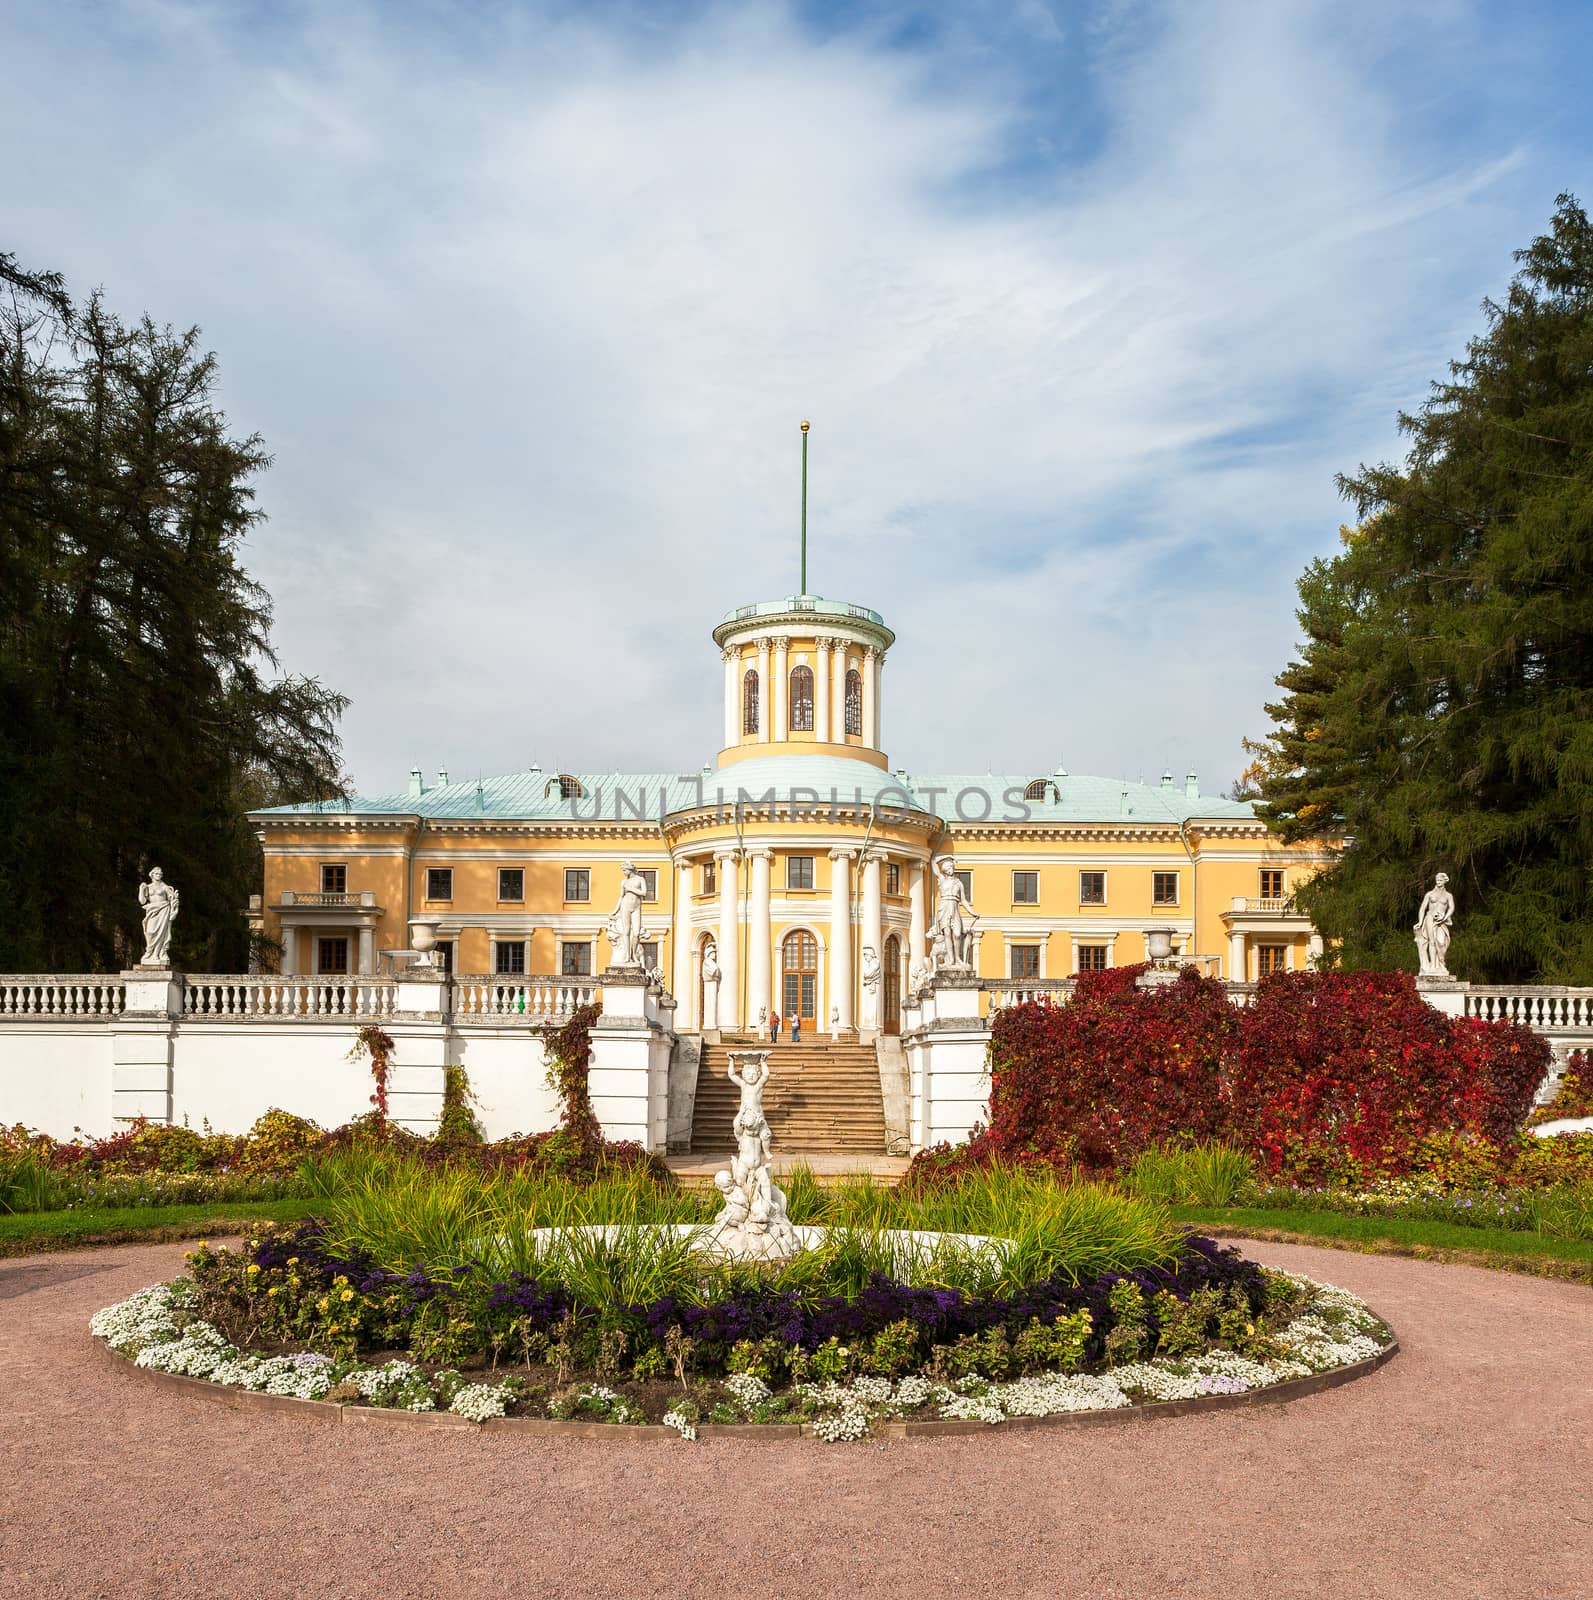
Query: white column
point(289, 939)
point(918, 917)
point(729, 941)
point(681, 965)
point(841, 936)
point(758, 935)
point(1237, 972)
point(870, 936)
point(821, 688)
point(732, 697)
point(879, 667)
point(871, 696)
point(763, 694)
point(779, 709)
point(367, 951)
point(838, 692)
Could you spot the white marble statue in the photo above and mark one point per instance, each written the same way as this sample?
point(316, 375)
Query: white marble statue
point(753, 1224)
point(920, 977)
point(625, 922)
point(872, 972)
point(954, 919)
point(1433, 924)
point(160, 902)
point(710, 985)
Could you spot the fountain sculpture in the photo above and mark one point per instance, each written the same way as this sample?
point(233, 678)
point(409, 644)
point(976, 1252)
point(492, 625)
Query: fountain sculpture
point(753, 1225)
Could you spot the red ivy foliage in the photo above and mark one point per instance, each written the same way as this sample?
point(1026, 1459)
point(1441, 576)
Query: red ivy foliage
point(1345, 1064)
point(1117, 1069)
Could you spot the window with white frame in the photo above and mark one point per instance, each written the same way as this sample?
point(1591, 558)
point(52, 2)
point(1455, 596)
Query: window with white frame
point(1092, 958)
point(577, 883)
point(439, 883)
point(1164, 888)
point(332, 958)
point(1025, 889)
point(508, 957)
point(1025, 960)
point(1271, 958)
point(649, 876)
point(799, 872)
point(1092, 888)
point(334, 877)
point(710, 877)
point(1271, 883)
point(511, 883)
point(650, 954)
point(893, 878)
point(575, 959)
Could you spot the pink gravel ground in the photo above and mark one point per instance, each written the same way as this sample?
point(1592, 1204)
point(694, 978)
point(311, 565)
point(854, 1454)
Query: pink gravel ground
point(1460, 1469)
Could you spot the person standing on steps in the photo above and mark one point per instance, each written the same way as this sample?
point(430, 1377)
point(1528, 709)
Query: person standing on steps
point(796, 1027)
point(774, 1027)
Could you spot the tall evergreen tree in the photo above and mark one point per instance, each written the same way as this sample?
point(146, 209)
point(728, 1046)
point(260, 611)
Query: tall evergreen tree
point(1441, 711)
point(137, 717)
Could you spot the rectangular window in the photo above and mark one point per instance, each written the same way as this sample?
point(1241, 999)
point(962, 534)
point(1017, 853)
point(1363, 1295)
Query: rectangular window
point(439, 883)
point(1092, 888)
point(1271, 883)
point(577, 883)
point(332, 957)
point(1092, 958)
point(334, 878)
point(650, 954)
point(575, 960)
point(1271, 958)
point(445, 954)
point(649, 876)
point(1025, 891)
point(511, 883)
point(1164, 888)
point(1025, 961)
point(509, 958)
point(893, 878)
point(965, 877)
point(710, 877)
point(799, 872)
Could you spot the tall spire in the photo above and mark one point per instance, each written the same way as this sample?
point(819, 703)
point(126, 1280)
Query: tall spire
point(804, 588)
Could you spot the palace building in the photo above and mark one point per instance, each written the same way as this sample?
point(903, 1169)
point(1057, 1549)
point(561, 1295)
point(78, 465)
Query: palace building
point(794, 874)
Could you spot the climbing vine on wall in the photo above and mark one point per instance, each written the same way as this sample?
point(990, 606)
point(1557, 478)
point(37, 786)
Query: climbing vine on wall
point(378, 1044)
point(569, 1067)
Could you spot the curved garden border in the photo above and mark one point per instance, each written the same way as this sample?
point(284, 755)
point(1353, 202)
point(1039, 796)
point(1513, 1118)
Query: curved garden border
point(326, 1411)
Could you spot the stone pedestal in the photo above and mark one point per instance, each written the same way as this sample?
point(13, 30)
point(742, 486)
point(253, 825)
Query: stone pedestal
point(946, 1042)
point(142, 1039)
point(1444, 994)
point(632, 1040)
point(422, 999)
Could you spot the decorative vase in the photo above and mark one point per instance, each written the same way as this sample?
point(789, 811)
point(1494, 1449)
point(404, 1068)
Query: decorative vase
point(1158, 943)
point(423, 939)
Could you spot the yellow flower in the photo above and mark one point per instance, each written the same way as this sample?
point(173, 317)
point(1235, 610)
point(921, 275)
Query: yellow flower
point(254, 1269)
point(271, 1291)
point(323, 1304)
point(294, 1280)
point(347, 1295)
point(293, 1261)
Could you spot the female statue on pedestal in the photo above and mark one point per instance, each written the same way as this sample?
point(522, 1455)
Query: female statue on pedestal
point(871, 980)
point(1433, 924)
point(710, 985)
point(625, 923)
point(954, 918)
point(160, 901)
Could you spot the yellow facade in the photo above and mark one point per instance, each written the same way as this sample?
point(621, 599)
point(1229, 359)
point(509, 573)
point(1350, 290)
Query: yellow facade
point(799, 855)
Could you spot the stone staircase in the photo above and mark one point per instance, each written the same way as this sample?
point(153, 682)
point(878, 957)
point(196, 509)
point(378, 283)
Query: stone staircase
point(822, 1098)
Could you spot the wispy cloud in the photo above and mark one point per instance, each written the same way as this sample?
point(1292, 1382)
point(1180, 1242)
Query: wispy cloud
point(1087, 306)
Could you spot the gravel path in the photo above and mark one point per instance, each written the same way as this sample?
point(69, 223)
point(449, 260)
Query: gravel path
point(1460, 1469)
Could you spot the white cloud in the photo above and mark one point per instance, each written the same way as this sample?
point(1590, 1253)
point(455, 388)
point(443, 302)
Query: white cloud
point(527, 312)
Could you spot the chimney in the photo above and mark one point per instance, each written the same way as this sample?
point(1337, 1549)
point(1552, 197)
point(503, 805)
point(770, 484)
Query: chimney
point(442, 777)
point(417, 785)
point(1191, 786)
point(1167, 778)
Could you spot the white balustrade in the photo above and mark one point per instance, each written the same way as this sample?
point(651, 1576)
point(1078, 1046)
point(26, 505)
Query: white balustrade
point(498, 999)
point(1542, 1007)
point(217, 997)
point(63, 996)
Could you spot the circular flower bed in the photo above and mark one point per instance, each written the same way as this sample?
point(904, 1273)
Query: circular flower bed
point(288, 1315)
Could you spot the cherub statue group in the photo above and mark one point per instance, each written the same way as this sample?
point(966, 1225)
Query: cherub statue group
point(753, 1226)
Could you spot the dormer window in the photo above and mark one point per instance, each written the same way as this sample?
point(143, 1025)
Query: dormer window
point(1042, 789)
point(566, 787)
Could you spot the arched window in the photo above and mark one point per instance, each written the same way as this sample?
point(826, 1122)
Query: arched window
point(799, 971)
point(802, 700)
point(569, 788)
point(749, 702)
point(1042, 789)
point(854, 701)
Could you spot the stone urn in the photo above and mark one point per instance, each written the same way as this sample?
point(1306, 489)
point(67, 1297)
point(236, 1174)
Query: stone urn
point(1159, 943)
point(423, 939)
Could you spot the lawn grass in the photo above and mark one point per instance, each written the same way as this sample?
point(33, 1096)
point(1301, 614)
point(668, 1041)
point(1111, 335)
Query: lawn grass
point(27, 1232)
point(1500, 1248)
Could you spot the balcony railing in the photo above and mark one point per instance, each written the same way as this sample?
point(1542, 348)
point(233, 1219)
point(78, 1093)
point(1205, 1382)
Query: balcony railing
point(1282, 906)
point(1020, 991)
point(363, 899)
point(1544, 1008)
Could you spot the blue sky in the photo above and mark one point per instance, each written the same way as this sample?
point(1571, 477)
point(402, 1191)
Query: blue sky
point(1087, 303)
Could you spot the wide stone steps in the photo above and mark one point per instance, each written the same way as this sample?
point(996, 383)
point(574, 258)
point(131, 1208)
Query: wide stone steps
point(821, 1097)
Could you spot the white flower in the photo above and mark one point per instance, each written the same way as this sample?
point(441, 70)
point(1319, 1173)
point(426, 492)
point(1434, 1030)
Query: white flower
point(681, 1423)
point(748, 1390)
point(479, 1401)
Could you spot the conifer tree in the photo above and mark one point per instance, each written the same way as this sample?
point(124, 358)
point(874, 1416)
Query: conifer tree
point(137, 720)
point(1441, 709)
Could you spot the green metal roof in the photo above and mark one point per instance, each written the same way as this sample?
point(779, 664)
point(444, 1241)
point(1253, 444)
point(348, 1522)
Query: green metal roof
point(802, 602)
point(969, 798)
